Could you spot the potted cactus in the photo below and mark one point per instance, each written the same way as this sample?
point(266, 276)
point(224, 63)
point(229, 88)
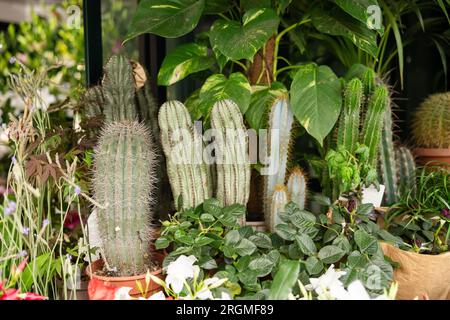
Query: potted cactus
point(431, 129)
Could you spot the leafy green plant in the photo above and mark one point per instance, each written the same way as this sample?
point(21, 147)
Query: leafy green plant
point(422, 215)
point(345, 237)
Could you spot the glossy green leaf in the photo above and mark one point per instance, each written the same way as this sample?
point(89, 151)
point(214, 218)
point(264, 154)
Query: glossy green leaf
point(331, 254)
point(313, 265)
point(241, 41)
point(316, 99)
point(284, 280)
point(218, 87)
point(366, 242)
point(245, 247)
point(232, 238)
point(306, 244)
point(161, 243)
point(183, 61)
point(262, 266)
point(360, 10)
point(166, 18)
point(217, 6)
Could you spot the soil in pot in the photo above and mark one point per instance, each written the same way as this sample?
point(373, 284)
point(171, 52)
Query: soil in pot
point(104, 283)
point(420, 275)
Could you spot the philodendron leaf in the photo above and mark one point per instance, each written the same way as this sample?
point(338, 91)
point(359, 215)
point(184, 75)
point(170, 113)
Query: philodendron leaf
point(217, 87)
point(241, 41)
point(285, 278)
point(316, 99)
point(331, 254)
point(183, 61)
point(166, 18)
point(364, 11)
point(337, 23)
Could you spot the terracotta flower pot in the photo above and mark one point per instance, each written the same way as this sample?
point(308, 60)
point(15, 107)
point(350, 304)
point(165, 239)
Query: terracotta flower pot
point(425, 155)
point(420, 275)
point(108, 284)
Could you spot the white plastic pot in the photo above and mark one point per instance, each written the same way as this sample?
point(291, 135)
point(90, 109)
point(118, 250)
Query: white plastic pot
point(372, 195)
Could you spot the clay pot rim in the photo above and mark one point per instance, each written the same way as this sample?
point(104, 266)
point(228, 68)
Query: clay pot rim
point(160, 258)
point(434, 152)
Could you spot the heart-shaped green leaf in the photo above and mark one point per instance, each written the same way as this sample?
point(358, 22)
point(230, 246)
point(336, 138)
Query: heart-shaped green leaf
point(166, 18)
point(183, 61)
point(241, 41)
point(217, 87)
point(316, 99)
point(331, 254)
point(366, 242)
point(306, 244)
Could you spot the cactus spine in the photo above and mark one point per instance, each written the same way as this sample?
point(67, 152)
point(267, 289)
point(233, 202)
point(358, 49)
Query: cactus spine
point(280, 125)
point(388, 166)
point(123, 183)
point(280, 198)
point(406, 170)
point(373, 122)
point(368, 81)
point(431, 122)
point(189, 176)
point(348, 130)
point(232, 162)
point(297, 187)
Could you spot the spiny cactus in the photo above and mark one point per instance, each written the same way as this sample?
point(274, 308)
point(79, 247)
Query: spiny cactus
point(431, 122)
point(123, 183)
point(373, 122)
point(279, 141)
point(189, 176)
point(406, 170)
point(232, 159)
point(387, 162)
point(348, 129)
point(280, 198)
point(369, 82)
point(297, 187)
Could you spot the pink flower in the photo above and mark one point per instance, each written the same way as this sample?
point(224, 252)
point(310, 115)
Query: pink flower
point(31, 296)
point(100, 290)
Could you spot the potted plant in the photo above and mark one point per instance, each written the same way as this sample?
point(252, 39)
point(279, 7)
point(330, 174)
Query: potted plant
point(422, 219)
point(431, 129)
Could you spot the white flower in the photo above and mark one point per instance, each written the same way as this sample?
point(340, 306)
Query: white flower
point(330, 279)
point(156, 296)
point(224, 296)
point(355, 291)
point(204, 294)
point(123, 294)
point(179, 270)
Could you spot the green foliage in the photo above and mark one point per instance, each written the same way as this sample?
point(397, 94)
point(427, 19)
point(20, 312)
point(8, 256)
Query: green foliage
point(406, 170)
point(123, 185)
point(348, 239)
point(431, 122)
point(422, 214)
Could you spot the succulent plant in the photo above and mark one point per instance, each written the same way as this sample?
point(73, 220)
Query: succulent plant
point(431, 122)
point(189, 175)
point(297, 187)
point(387, 160)
point(279, 142)
point(280, 198)
point(124, 180)
point(406, 170)
point(373, 122)
point(348, 128)
point(369, 82)
point(232, 158)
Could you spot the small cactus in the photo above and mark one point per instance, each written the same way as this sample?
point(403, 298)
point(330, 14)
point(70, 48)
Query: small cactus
point(406, 170)
point(279, 142)
point(123, 183)
point(431, 122)
point(369, 82)
point(189, 176)
point(348, 129)
point(232, 159)
point(373, 122)
point(297, 187)
point(280, 198)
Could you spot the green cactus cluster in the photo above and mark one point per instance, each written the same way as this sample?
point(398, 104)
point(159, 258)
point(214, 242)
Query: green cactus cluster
point(431, 122)
point(406, 170)
point(124, 181)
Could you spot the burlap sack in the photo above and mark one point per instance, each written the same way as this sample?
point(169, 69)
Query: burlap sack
point(420, 275)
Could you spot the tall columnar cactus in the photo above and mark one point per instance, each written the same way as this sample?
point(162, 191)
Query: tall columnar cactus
point(280, 198)
point(387, 159)
point(279, 141)
point(406, 170)
point(232, 158)
point(297, 187)
point(369, 82)
point(348, 129)
point(373, 122)
point(189, 175)
point(123, 184)
point(431, 122)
